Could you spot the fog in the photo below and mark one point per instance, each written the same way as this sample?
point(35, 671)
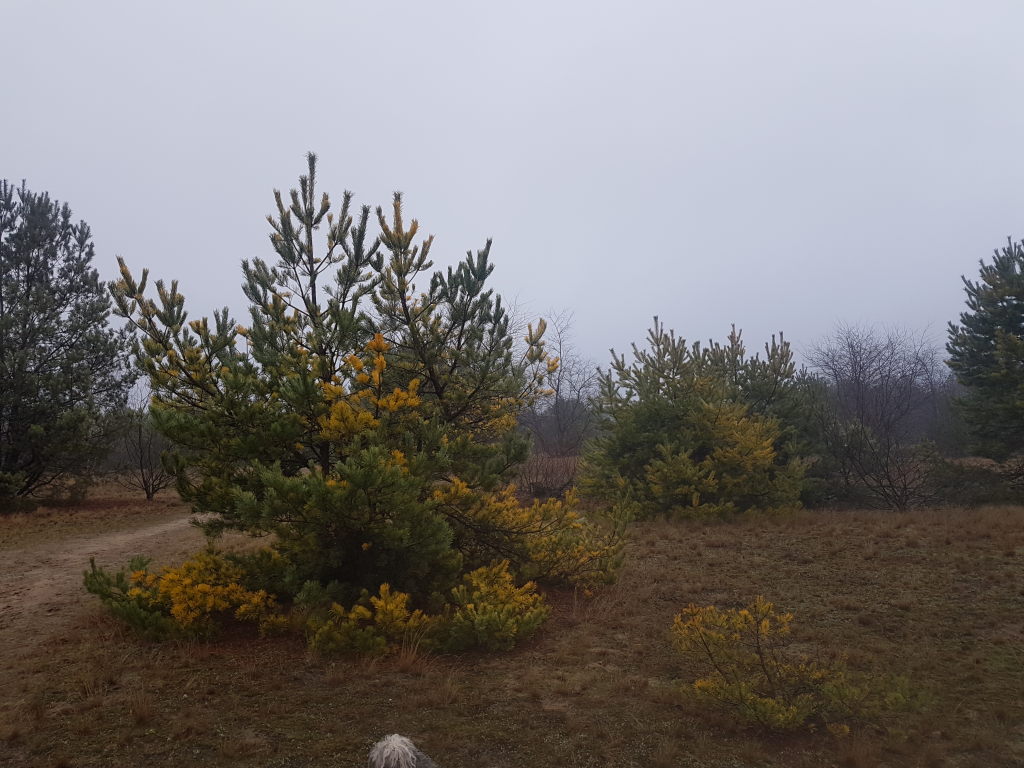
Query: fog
point(780, 166)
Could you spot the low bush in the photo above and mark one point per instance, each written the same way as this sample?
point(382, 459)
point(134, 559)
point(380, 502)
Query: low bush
point(373, 626)
point(486, 610)
point(491, 612)
point(193, 599)
point(116, 590)
point(744, 665)
point(542, 476)
point(975, 481)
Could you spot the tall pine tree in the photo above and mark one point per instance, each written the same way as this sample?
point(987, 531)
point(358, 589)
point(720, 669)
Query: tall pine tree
point(986, 351)
point(62, 368)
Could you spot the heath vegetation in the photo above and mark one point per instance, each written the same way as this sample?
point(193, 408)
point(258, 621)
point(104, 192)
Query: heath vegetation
point(422, 514)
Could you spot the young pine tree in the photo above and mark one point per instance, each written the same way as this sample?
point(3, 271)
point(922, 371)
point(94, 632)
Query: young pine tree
point(688, 430)
point(367, 425)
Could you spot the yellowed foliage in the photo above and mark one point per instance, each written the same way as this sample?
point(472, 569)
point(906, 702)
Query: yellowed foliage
point(195, 593)
point(746, 668)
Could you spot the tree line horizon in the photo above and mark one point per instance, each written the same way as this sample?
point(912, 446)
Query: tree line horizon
point(877, 416)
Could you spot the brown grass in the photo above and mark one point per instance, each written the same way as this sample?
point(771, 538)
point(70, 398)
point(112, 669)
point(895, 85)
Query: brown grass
point(934, 595)
point(544, 476)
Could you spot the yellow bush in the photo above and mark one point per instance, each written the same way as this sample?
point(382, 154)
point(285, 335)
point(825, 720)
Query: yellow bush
point(201, 591)
point(744, 666)
point(487, 611)
point(374, 625)
point(392, 617)
point(549, 539)
point(491, 612)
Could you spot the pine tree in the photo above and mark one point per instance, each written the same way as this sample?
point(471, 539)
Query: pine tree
point(369, 426)
point(689, 430)
point(62, 368)
point(986, 351)
point(456, 340)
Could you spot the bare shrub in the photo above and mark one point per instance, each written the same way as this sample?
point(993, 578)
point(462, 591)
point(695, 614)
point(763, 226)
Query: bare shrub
point(137, 462)
point(885, 397)
point(560, 424)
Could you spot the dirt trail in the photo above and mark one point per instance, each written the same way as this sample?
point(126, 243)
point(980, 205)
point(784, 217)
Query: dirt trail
point(41, 589)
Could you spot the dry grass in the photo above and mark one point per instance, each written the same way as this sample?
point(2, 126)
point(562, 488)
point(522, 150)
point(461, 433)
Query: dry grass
point(111, 507)
point(937, 596)
point(542, 476)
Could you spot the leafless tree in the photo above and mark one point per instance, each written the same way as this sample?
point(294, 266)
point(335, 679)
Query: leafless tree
point(885, 395)
point(561, 423)
point(137, 454)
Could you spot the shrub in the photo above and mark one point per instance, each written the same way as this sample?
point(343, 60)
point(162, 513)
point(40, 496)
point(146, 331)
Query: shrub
point(190, 600)
point(116, 592)
point(550, 540)
point(542, 476)
point(486, 611)
point(697, 432)
point(975, 481)
point(373, 626)
point(491, 612)
point(744, 666)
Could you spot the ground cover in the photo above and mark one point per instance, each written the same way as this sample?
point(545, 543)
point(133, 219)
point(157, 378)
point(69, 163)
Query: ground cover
point(936, 596)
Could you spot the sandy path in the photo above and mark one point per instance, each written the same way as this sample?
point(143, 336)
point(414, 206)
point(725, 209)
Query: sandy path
point(41, 582)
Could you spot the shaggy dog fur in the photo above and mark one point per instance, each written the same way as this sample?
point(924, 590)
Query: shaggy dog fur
point(396, 751)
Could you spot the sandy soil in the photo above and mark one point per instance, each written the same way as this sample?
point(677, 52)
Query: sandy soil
point(43, 556)
point(932, 596)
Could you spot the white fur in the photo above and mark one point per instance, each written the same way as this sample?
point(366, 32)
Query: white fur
point(395, 751)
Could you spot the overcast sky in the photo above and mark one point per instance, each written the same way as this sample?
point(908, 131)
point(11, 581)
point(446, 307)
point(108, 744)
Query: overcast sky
point(778, 165)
